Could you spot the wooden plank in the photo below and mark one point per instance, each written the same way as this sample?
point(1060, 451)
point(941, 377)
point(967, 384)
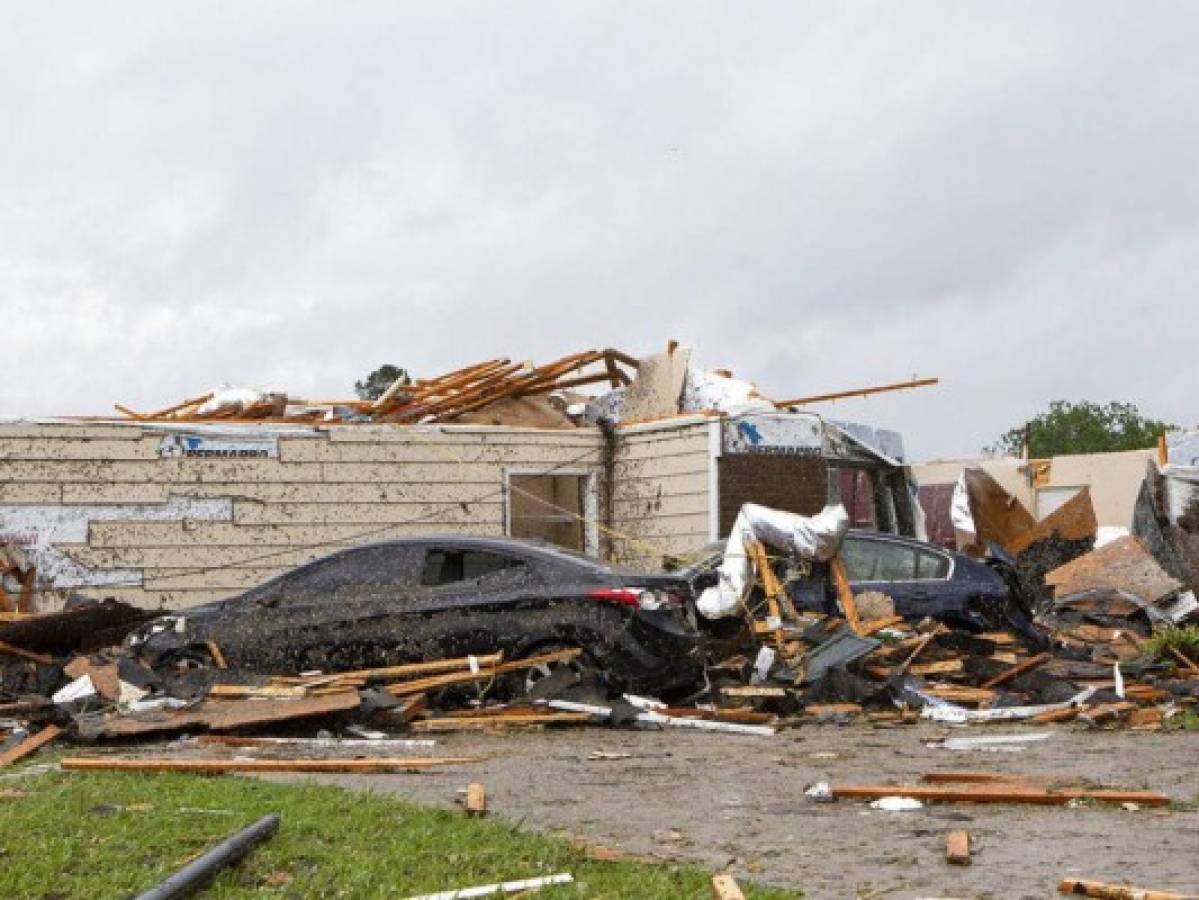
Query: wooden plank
point(844, 593)
point(1107, 891)
point(219, 766)
point(1017, 670)
point(941, 667)
point(214, 650)
point(875, 625)
point(485, 673)
point(226, 715)
point(431, 667)
point(957, 848)
point(725, 887)
point(29, 745)
point(476, 800)
point(995, 793)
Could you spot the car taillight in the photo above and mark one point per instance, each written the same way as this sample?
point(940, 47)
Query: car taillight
point(638, 598)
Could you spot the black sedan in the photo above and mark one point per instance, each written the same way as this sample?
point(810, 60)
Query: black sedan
point(922, 579)
point(432, 598)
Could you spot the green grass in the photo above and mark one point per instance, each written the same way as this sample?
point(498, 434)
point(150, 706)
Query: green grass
point(101, 835)
point(1185, 640)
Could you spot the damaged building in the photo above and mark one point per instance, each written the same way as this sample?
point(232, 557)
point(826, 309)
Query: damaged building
point(174, 510)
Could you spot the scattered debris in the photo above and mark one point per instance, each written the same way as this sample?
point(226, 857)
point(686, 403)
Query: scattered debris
point(505, 887)
point(957, 848)
point(1115, 891)
point(725, 887)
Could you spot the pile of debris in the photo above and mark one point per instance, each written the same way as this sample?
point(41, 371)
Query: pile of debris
point(1094, 655)
point(502, 392)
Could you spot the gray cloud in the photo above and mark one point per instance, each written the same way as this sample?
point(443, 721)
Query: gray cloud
point(820, 196)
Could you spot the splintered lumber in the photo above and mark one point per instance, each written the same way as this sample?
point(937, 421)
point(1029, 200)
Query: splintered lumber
point(218, 691)
point(959, 693)
point(1106, 891)
point(40, 658)
point(858, 392)
point(219, 766)
point(725, 887)
point(218, 657)
point(1017, 670)
point(770, 586)
point(941, 667)
point(393, 673)
point(957, 848)
point(845, 593)
point(995, 793)
point(476, 800)
point(420, 685)
point(29, 745)
point(876, 625)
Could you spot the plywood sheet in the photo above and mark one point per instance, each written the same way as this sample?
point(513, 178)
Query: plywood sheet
point(1124, 564)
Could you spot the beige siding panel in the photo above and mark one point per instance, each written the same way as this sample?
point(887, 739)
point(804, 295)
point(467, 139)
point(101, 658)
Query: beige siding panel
point(627, 507)
point(114, 493)
point(153, 599)
point(221, 580)
point(406, 452)
point(693, 441)
point(248, 512)
point(684, 483)
point(186, 471)
point(439, 492)
point(101, 432)
point(657, 527)
point(29, 493)
point(79, 448)
point(476, 473)
point(555, 438)
point(114, 535)
point(659, 466)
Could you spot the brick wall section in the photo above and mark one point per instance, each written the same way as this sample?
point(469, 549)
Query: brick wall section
point(797, 484)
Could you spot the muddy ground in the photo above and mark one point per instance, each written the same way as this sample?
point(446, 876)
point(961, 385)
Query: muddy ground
point(721, 800)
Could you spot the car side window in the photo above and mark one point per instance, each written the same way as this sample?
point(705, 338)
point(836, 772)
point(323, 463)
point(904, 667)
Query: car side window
point(447, 566)
point(867, 560)
point(370, 571)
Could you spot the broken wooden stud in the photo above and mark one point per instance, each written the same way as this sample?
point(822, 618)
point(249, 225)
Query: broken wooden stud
point(845, 593)
point(218, 657)
point(1013, 792)
point(1021, 668)
point(957, 848)
point(29, 745)
point(476, 800)
point(725, 887)
point(1106, 891)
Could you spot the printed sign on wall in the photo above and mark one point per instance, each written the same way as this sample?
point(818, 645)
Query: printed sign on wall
point(789, 433)
point(176, 446)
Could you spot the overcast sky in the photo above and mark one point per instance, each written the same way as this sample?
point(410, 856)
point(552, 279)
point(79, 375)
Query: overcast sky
point(818, 196)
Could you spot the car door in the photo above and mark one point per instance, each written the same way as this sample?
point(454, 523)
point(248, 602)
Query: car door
point(914, 576)
point(476, 597)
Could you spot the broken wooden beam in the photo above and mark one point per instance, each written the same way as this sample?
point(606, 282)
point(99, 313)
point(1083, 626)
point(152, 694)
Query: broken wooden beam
point(845, 593)
point(476, 800)
point(220, 766)
point(995, 793)
point(957, 848)
point(725, 887)
point(1106, 891)
point(29, 745)
point(1017, 670)
point(420, 685)
point(469, 723)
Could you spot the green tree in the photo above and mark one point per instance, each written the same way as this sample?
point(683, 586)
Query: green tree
point(1085, 427)
point(373, 386)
